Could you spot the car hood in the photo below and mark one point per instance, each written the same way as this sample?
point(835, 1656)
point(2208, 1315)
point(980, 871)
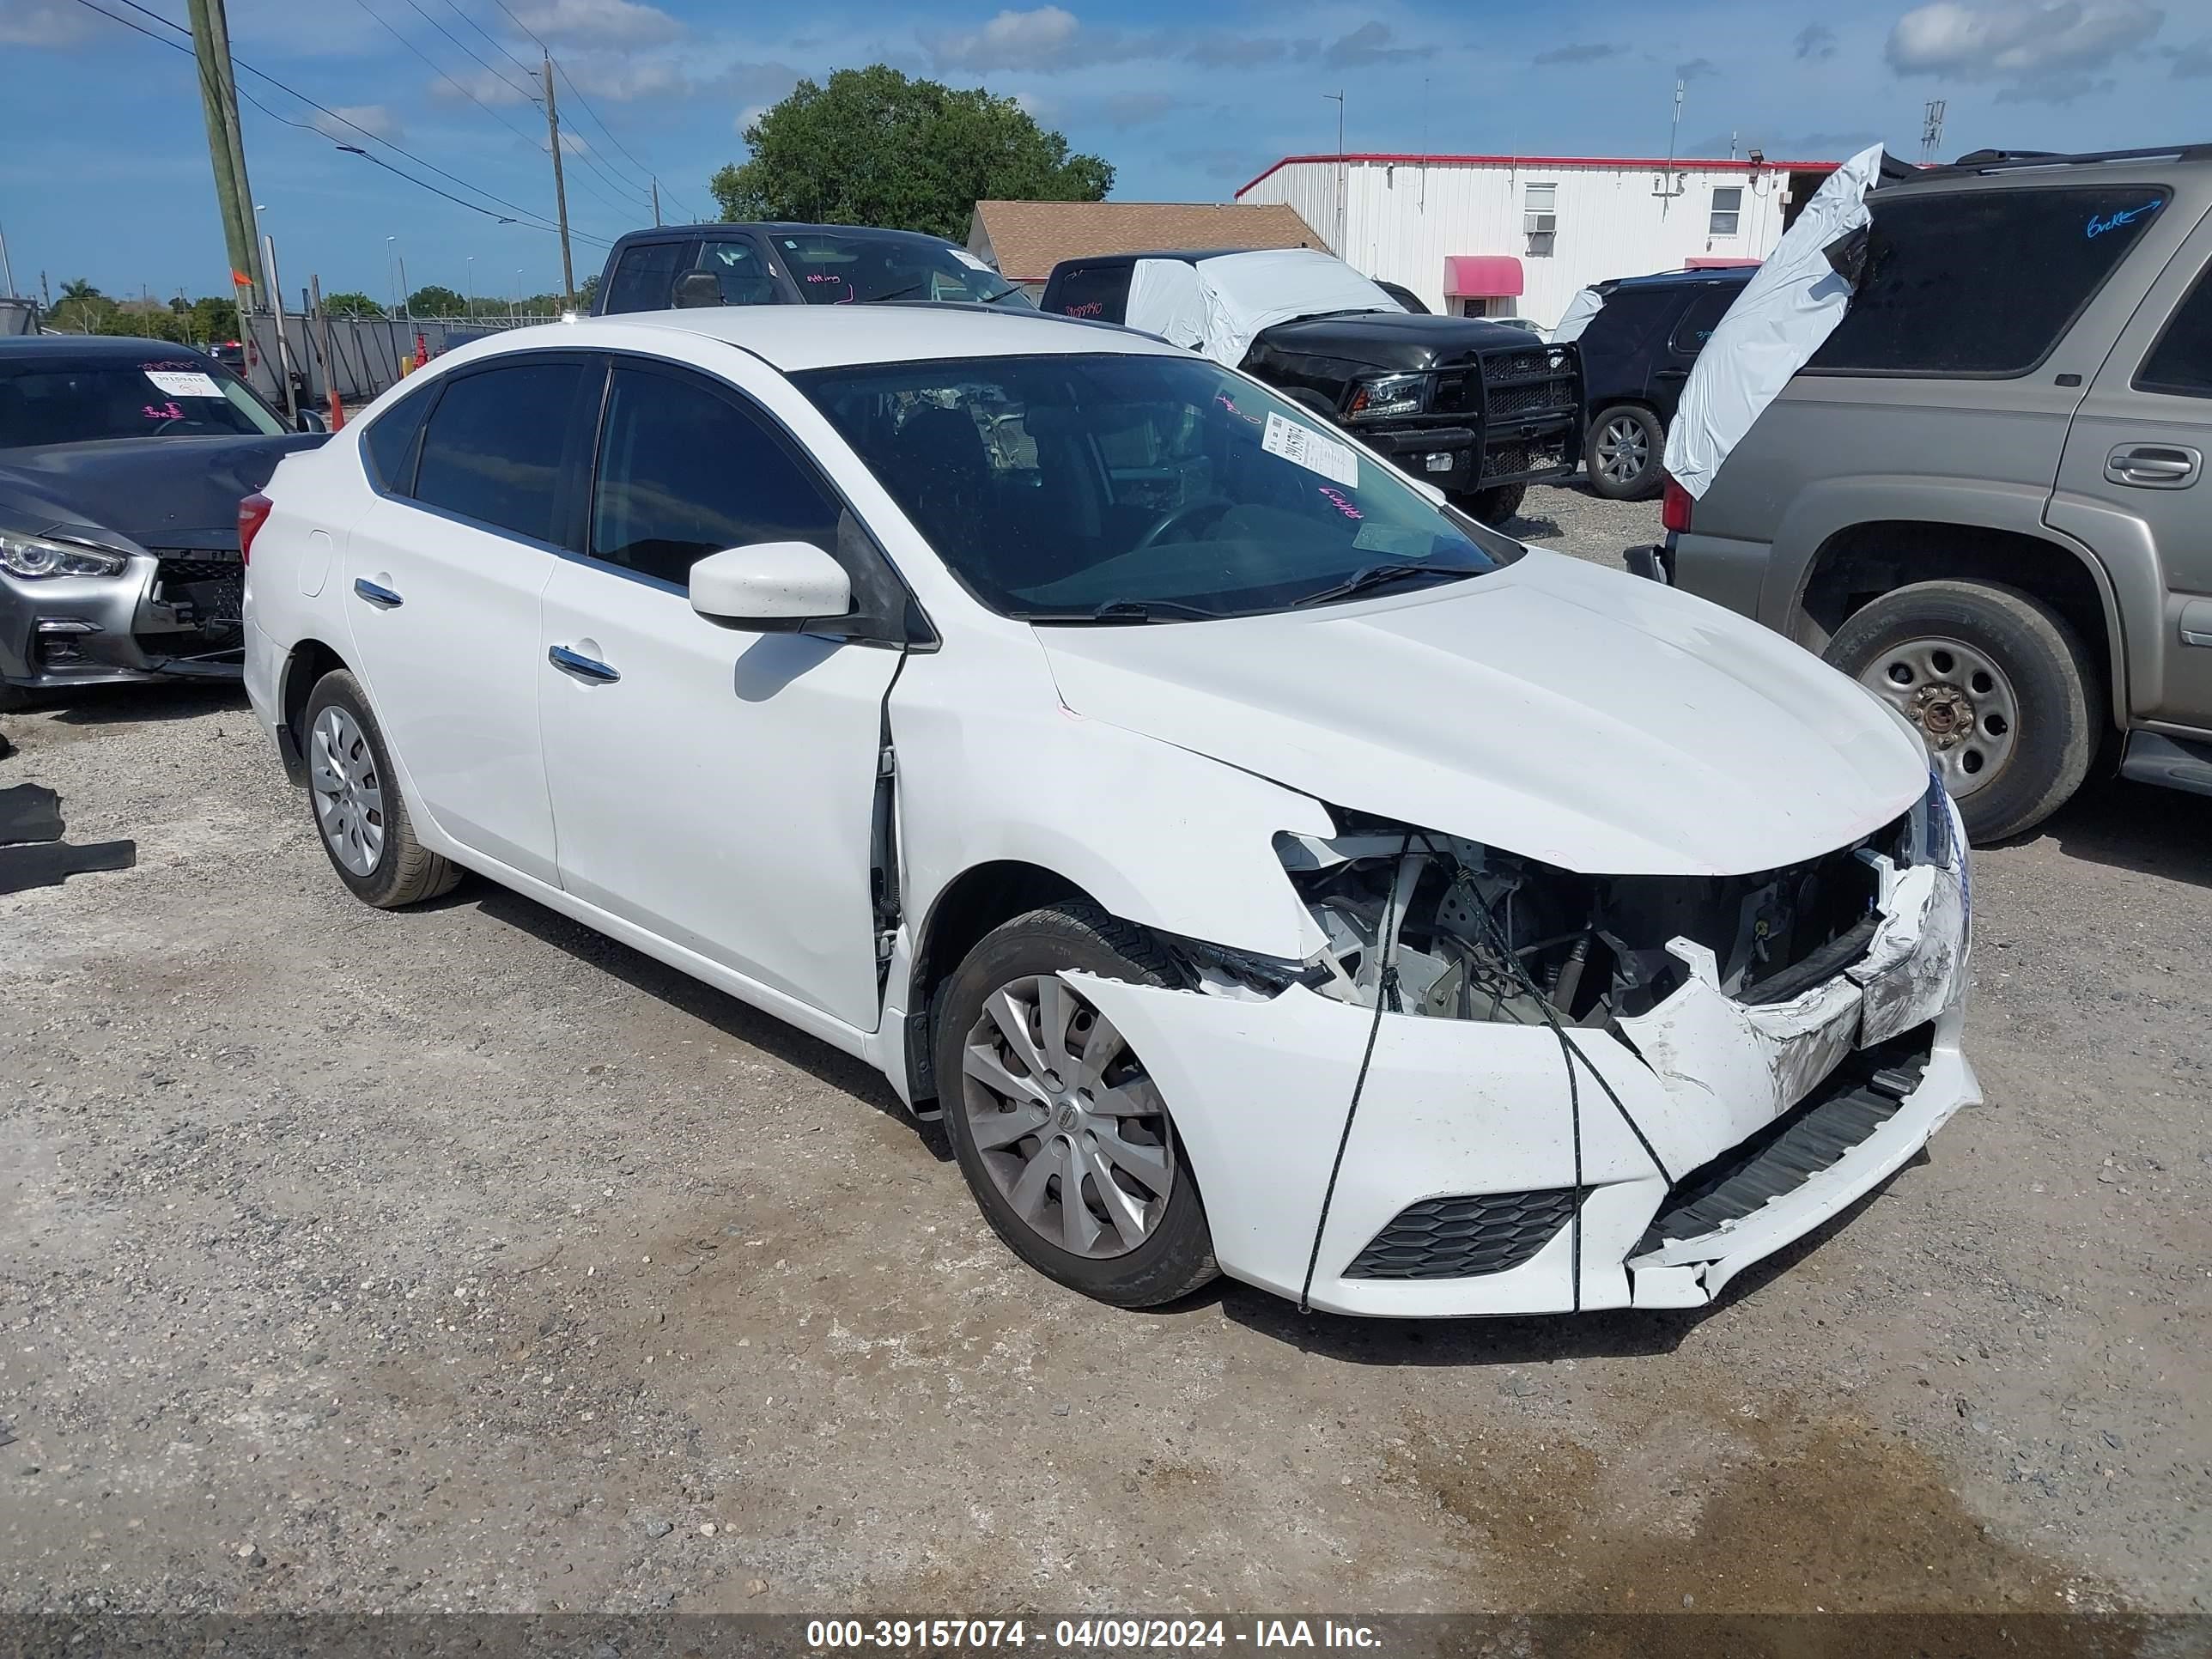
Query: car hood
point(1551, 708)
point(1390, 339)
point(155, 492)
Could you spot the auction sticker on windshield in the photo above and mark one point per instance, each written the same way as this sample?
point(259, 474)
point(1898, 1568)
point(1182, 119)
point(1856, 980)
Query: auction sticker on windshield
point(1306, 447)
point(180, 385)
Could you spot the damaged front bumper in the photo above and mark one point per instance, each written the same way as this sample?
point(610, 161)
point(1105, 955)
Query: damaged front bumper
point(169, 614)
point(1477, 1178)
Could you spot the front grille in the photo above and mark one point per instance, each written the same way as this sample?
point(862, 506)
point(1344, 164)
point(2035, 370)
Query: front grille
point(1531, 397)
point(214, 588)
point(1528, 365)
point(1858, 1097)
point(1465, 1238)
point(1513, 461)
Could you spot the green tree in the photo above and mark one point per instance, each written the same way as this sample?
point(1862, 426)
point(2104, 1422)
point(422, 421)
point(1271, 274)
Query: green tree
point(78, 289)
point(350, 305)
point(874, 148)
point(214, 318)
point(432, 301)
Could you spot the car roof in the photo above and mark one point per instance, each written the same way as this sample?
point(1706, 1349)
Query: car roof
point(118, 346)
point(775, 227)
point(1189, 255)
point(795, 337)
point(1681, 278)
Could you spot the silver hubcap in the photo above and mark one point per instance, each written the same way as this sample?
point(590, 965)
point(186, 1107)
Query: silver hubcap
point(1623, 451)
point(348, 794)
point(1073, 1132)
point(1960, 700)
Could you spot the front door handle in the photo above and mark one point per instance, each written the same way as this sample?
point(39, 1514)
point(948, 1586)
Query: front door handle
point(2154, 466)
point(382, 598)
point(583, 667)
point(1674, 373)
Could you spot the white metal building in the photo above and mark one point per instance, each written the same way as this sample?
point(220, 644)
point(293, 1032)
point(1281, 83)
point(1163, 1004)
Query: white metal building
point(1517, 236)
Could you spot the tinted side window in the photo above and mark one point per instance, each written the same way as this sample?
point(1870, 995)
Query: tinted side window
point(1700, 319)
point(645, 277)
point(1983, 282)
point(388, 446)
point(740, 271)
point(1629, 318)
point(1101, 292)
point(492, 449)
point(2181, 362)
point(684, 472)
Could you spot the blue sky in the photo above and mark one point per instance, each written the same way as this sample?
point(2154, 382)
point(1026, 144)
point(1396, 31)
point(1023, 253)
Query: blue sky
point(108, 176)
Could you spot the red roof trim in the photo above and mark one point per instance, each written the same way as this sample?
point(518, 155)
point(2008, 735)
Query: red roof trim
point(1698, 164)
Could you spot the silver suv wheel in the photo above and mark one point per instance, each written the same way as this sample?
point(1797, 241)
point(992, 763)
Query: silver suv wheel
point(1623, 450)
point(1962, 701)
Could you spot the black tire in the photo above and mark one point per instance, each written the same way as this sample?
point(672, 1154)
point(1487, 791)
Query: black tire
point(1635, 424)
point(1495, 506)
point(2060, 702)
point(1177, 1256)
point(405, 871)
point(14, 699)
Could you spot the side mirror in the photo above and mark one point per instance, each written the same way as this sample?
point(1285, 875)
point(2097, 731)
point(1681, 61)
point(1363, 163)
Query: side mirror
point(697, 287)
point(311, 421)
point(771, 588)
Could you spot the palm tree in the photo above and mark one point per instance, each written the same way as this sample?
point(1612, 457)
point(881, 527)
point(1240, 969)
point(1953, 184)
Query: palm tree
point(78, 289)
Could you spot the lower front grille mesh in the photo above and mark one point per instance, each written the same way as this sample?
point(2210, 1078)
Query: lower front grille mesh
point(1465, 1238)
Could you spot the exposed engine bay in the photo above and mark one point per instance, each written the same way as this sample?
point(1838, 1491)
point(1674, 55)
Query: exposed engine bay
point(1438, 925)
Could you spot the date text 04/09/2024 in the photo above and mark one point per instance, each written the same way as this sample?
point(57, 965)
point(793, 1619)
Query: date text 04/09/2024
point(1083, 1635)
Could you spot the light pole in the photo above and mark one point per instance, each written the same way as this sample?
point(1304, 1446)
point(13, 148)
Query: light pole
point(399, 294)
point(473, 288)
point(516, 313)
point(391, 283)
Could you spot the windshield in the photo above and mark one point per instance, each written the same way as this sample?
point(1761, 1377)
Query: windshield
point(1138, 488)
point(838, 268)
point(93, 399)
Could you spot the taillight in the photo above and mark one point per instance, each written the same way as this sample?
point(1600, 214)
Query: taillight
point(1674, 507)
point(252, 514)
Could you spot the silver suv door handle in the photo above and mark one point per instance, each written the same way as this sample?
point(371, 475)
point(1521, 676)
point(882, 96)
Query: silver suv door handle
point(583, 667)
point(382, 598)
point(2154, 466)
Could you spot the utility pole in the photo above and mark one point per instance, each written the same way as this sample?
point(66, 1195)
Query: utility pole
point(219, 105)
point(656, 202)
point(560, 190)
point(1667, 191)
point(1338, 99)
point(7, 270)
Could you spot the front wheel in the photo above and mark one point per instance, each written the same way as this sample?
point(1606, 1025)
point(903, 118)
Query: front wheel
point(1495, 506)
point(1998, 685)
point(1058, 1126)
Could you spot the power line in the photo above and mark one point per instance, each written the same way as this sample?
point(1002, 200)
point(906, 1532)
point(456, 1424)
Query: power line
point(464, 47)
point(491, 40)
point(385, 24)
point(528, 216)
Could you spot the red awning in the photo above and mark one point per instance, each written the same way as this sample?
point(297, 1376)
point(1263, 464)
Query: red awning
point(1481, 277)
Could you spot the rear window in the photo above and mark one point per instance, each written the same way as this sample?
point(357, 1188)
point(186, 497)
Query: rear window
point(2181, 362)
point(645, 277)
point(389, 443)
point(492, 451)
point(835, 267)
point(1982, 283)
point(1703, 317)
point(1099, 292)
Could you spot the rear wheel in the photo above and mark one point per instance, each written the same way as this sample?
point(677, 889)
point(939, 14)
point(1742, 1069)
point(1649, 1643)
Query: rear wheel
point(1998, 685)
point(359, 814)
point(1627, 449)
point(1496, 505)
point(1059, 1128)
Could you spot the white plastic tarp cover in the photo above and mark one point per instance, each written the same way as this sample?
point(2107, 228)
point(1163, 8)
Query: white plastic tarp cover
point(1236, 295)
point(1586, 304)
point(1788, 308)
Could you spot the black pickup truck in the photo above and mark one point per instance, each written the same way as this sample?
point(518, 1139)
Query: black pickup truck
point(1479, 409)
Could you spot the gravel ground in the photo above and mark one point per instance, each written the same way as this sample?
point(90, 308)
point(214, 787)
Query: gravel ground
point(460, 1259)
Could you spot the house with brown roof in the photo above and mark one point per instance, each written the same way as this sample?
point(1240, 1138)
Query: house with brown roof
point(1025, 239)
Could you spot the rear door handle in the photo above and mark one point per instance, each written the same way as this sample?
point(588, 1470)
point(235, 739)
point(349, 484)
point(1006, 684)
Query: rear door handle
point(382, 598)
point(2154, 466)
point(1674, 373)
point(583, 667)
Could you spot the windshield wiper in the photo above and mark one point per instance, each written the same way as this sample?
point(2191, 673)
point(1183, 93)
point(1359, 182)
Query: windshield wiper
point(1383, 575)
point(899, 293)
point(1129, 610)
point(994, 299)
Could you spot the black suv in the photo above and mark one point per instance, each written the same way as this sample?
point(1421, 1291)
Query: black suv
point(779, 265)
point(1479, 409)
point(1636, 353)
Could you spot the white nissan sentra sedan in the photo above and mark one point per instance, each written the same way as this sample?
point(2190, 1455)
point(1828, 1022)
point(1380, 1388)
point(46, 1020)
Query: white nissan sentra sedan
point(1263, 868)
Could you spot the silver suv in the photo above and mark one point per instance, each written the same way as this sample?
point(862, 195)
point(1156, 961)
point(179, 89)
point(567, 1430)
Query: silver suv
point(1984, 497)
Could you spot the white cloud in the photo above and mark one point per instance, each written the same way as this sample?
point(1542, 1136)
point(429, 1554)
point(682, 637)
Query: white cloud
point(2035, 48)
point(750, 114)
point(622, 22)
point(1041, 39)
point(43, 22)
point(349, 121)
